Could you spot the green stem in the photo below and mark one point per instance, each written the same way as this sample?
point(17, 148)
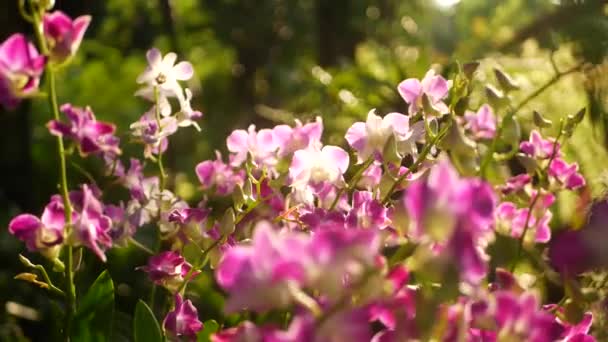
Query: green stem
point(520, 244)
point(46, 277)
point(353, 181)
point(69, 264)
point(67, 206)
point(159, 160)
point(202, 261)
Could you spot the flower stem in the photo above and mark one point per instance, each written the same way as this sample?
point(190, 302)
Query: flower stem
point(353, 181)
point(161, 169)
point(70, 290)
point(69, 273)
point(520, 244)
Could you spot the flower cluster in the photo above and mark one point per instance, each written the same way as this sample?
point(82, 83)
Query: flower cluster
point(392, 236)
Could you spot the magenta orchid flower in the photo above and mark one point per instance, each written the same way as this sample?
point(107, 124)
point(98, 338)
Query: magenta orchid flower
point(370, 138)
point(511, 316)
point(456, 214)
point(566, 175)
point(63, 35)
point(482, 124)
point(367, 212)
point(433, 86)
point(45, 234)
point(154, 137)
point(259, 145)
point(182, 321)
point(20, 69)
point(260, 276)
point(516, 183)
point(514, 219)
point(91, 225)
point(218, 175)
point(538, 147)
point(91, 135)
point(168, 269)
point(290, 139)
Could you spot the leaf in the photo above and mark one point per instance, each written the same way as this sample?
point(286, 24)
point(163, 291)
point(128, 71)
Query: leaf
point(210, 327)
point(145, 325)
point(93, 318)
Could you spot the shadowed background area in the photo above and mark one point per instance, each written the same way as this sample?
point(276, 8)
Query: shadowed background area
point(268, 62)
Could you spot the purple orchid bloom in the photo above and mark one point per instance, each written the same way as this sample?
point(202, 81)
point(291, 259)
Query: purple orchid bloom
point(168, 269)
point(259, 145)
point(44, 234)
point(91, 226)
point(260, 276)
point(182, 321)
point(516, 183)
point(482, 124)
point(566, 175)
point(91, 135)
point(539, 148)
point(456, 214)
point(370, 138)
point(371, 177)
point(367, 212)
point(513, 219)
point(154, 137)
point(516, 316)
point(20, 69)
point(290, 139)
point(63, 35)
point(218, 175)
point(433, 86)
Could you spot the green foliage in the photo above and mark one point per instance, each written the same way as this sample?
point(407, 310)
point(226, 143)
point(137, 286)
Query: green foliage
point(93, 318)
point(145, 325)
point(210, 327)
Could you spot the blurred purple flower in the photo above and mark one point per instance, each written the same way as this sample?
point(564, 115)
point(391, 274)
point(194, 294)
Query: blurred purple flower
point(63, 35)
point(20, 69)
point(367, 212)
point(537, 147)
point(566, 175)
point(182, 322)
point(290, 139)
point(483, 123)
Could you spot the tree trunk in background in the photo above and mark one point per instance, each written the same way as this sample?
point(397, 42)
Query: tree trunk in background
point(337, 37)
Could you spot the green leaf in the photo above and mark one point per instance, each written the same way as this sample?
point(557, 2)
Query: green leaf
point(145, 325)
point(93, 318)
point(210, 327)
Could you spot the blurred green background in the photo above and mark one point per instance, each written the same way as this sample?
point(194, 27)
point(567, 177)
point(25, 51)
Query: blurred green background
point(270, 61)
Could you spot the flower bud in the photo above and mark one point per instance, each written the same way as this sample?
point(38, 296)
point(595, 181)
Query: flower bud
point(506, 83)
point(470, 68)
point(227, 224)
point(26, 262)
point(47, 4)
point(495, 97)
point(541, 121)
